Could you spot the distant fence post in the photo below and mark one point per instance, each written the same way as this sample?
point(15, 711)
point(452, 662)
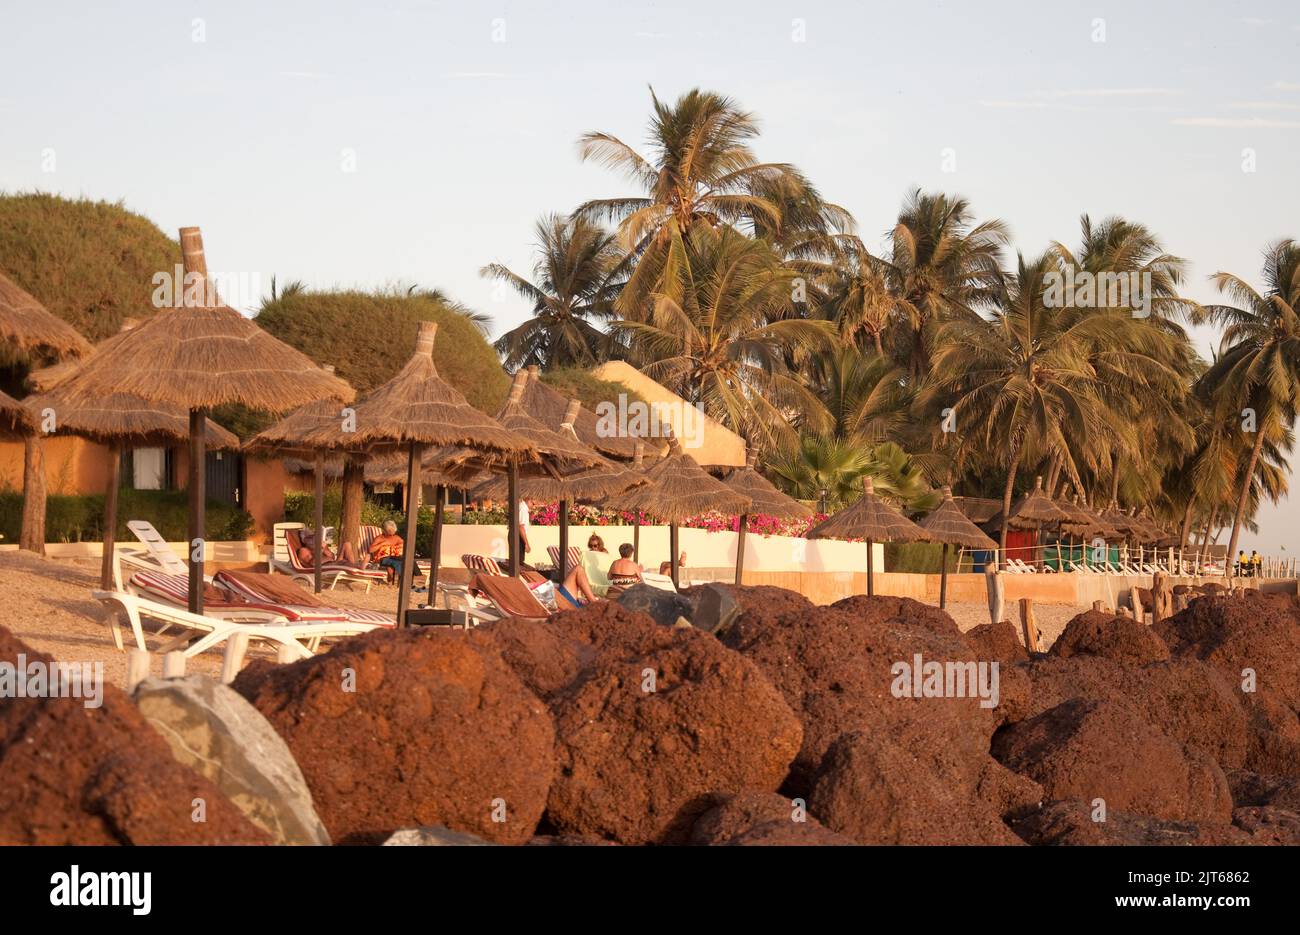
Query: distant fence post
point(996, 591)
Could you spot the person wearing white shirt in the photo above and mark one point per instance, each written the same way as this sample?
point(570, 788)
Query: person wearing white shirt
point(522, 528)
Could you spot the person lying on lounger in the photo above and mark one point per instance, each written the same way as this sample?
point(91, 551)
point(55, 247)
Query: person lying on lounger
point(307, 550)
point(576, 588)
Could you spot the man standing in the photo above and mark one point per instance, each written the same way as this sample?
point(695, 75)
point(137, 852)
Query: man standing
point(522, 528)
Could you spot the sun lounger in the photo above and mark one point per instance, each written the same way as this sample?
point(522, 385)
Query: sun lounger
point(272, 590)
point(663, 582)
point(575, 555)
point(284, 559)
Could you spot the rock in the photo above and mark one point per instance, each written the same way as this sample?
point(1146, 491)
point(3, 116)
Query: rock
point(569, 840)
point(1268, 824)
point(1071, 823)
point(713, 609)
point(761, 819)
point(412, 728)
point(1252, 789)
point(434, 836)
point(97, 776)
point(997, 641)
point(1085, 749)
point(1272, 735)
point(877, 791)
point(1120, 638)
point(660, 720)
point(218, 734)
point(663, 607)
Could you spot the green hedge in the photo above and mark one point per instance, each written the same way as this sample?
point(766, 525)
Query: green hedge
point(81, 518)
point(924, 558)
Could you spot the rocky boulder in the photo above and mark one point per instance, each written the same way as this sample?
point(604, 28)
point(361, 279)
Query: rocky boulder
point(1111, 636)
point(761, 819)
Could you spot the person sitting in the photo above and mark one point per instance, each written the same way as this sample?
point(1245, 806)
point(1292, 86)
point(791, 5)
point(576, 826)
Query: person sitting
point(386, 551)
point(576, 589)
point(623, 571)
point(666, 568)
point(596, 544)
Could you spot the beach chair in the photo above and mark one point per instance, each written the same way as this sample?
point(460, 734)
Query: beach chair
point(662, 582)
point(483, 564)
point(269, 590)
point(284, 559)
point(575, 555)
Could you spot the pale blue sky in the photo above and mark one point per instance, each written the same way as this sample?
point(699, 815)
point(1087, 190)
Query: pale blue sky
point(461, 140)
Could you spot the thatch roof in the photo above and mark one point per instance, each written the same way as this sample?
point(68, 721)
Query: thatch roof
point(418, 406)
point(563, 448)
point(549, 407)
point(123, 419)
point(869, 518)
point(679, 488)
point(30, 330)
point(201, 355)
point(1032, 511)
point(1082, 522)
point(15, 420)
point(592, 484)
point(947, 523)
point(978, 509)
point(764, 496)
point(1120, 521)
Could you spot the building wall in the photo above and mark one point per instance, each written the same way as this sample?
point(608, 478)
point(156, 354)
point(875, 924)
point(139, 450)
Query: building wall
point(72, 465)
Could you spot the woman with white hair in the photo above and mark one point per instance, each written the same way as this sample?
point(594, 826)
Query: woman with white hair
point(386, 550)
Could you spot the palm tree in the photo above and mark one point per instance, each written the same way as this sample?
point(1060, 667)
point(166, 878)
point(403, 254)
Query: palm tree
point(941, 267)
point(852, 291)
point(572, 285)
point(830, 470)
point(700, 168)
point(718, 336)
point(1257, 374)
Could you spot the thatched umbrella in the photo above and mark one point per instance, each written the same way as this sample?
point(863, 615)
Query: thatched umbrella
point(679, 489)
point(549, 407)
point(15, 420)
point(120, 422)
point(29, 332)
point(946, 523)
point(1032, 511)
point(413, 411)
point(872, 519)
point(199, 355)
point(1083, 523)
point(764, 498)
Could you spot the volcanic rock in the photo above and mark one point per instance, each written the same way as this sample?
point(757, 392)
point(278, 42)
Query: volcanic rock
point(761, 819)
point(997, 641)
point(1071, 823)
point(1114, 637)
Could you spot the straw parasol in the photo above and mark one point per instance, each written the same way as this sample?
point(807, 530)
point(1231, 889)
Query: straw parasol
point(121, 421)
point(764, 498)
point(15, 420)
point(678, 489)
point(414, 411)
point(27, 328)
point(1032, 511)
point(872, 519)
point(550, 406)
point(199, 355)
point(946, 523)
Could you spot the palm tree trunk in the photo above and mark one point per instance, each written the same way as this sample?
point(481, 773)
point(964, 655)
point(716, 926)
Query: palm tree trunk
point(1012, 463)
point(32, 537)
point(1187, 522)
point(1114, 481)
point(880, 351)
point(1244, 497)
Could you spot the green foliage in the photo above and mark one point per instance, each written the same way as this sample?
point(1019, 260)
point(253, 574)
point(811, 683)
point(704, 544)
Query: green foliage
point(89, 262)
point(368, 337)
point(924, 558)
point(80, 518)
point(575, 383)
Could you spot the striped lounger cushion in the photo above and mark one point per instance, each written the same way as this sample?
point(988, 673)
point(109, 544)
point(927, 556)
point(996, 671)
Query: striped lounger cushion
point(482, 563)
point(174, 589)
point(249, 587)
point(575, 555)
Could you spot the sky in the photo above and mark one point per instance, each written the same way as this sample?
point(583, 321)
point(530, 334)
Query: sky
point(412, 142)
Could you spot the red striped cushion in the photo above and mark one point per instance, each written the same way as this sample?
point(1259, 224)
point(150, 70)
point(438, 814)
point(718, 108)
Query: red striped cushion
point(483, 563)
point(575, 555)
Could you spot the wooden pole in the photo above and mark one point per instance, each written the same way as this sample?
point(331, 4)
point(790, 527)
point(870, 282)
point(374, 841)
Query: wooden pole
point(198, 506)
point(512, 521)
point(439, 504)
point(31, 538)
point(564, 541)
point(412, 520)
point(995, 588)
point(871, 572)
point(672, 548)
point(740, 547)
point(636, 536)
point(943, 578)
point(1160, 597)
point(1135, 596)
point(1027, 624)
point(318, 544)
point(110, 516)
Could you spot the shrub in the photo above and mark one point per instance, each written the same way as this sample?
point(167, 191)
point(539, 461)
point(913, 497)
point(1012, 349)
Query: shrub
point(80, 518)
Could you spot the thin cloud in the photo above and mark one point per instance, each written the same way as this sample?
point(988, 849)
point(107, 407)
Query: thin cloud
point(1016, 105)
point(303, 74)
point(479, 74)
point(1255, 21)
point(1237, 123)
point(1265, 105)
point(1285, 86)
point(1109, 92)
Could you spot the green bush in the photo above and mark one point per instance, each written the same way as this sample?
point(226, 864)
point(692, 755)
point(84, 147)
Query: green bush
point(924, 558)
point(81, 518)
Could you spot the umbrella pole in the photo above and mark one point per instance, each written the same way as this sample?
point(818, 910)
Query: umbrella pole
point(636, 536)
point(740, 547)
point(672, 548)
point(319, 544)
point(871, 572)
point(110, 517)
point(943, 579)
point(198, 500)
point(512, 519)
point(439, 503)
point(564, 541)
point(408, 547)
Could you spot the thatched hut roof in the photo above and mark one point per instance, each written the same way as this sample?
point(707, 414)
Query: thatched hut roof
point(563, 448)
point(679, 488)
point(764, 496)
point(869, 518)
point(123, 419)
point(1082, 522)
point(30, 330)
point(1120, 521)
point(591, 484)
point(418, 406)
point(15, 420)
point(549, 407)
point(1032, 511)
point(947, 523)
point(978, 509)
point(201, 355)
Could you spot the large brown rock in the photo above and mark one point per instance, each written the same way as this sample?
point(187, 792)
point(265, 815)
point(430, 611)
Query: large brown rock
point(1071, 823)
point(997, 641)
point(412, 728)
point(102, 775)
point(1252, 789)
point(761, 819)
point(1114, 637)
point(1085, 749)
point(877, 791)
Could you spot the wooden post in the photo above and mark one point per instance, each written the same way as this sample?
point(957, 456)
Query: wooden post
point(672, 548)
point(564, 541)
point(31, 537)
point(233, 661)
point(412, 522)
point(137, 668)
point(871, 571)
point(1160, 602)
point(174, 665)
point(1135, 596)
point(636, 536)
point(943, 577)
point(319, 510)
point(198, 508)
point(1027, 624)
point(740, 547)
point(512, 520)
point(1097, 606)
point(439, 504)
point(996, 590)
point(110, 517)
